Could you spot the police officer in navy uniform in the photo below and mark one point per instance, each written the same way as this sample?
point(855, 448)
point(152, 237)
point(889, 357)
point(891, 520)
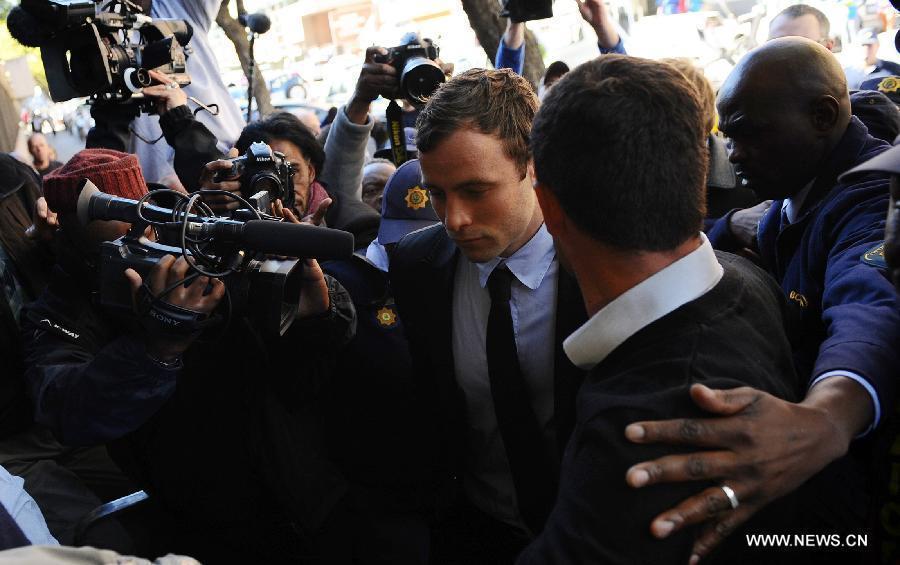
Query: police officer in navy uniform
point(369, 419)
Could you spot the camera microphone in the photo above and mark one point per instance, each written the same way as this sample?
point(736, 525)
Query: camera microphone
point(256, 23)
point(93, 204)
point(27, 29)
point(279, 238)
point(266, 236)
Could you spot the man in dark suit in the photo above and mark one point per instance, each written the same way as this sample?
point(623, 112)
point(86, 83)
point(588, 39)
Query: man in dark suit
point(792, 136)
point(667, 312)
point(486, 307)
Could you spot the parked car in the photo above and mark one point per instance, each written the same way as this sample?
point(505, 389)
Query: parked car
point(290, 86)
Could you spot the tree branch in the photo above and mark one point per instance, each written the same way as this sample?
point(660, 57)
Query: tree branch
point(237, 34)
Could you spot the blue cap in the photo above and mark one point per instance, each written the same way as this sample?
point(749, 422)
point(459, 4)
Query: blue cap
point(889, 86)
point(386, 153)
point(405, 206)
point(877, 112)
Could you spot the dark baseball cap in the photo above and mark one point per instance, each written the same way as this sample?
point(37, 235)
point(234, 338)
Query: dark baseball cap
point(887, 162)
point(386, 153)
point(405, 206)
point(889, 86)
point(878, 112)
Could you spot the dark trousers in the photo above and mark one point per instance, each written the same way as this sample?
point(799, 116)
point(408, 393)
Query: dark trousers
point(238, 472)
point(467, 536)
point(67, 483)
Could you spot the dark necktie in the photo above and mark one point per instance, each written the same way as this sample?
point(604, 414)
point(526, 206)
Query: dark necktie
point(532, 470)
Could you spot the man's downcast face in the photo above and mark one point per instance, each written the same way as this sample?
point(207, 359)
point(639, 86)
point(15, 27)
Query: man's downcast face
point(770, 140)
point(480, 194)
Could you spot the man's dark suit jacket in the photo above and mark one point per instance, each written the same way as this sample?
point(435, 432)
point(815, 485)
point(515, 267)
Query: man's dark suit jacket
point(730, 337)
point(422, 274)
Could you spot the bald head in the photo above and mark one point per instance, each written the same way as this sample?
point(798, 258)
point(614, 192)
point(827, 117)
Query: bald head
point(803, 21)
point(785, 106)
point(788, 70)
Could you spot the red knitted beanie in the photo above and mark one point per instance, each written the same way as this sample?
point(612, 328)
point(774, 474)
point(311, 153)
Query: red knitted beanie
point(113, 172)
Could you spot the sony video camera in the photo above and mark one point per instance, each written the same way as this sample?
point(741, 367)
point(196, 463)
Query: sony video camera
point(260, 287)
point(103, 52)
point(415, 62)
point(265, 176)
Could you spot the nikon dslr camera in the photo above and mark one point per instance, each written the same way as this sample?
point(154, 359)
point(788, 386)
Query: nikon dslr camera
point(419, 74)
point(262, 170)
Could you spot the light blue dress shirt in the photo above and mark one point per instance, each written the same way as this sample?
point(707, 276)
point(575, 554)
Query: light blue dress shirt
point(488, 480)
point(24, 510)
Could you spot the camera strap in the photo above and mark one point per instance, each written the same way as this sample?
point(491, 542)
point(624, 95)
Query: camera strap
point(160, 318)
point(394, 115)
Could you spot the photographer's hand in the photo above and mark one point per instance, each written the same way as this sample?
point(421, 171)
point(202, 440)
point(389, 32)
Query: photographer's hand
point(595, 13)
point(314, 299)
point(220, 204)
point(374, 79)
point(315, 219)
point(44, 222)
point(514, 36)
point(167, 93)
point(194, 297)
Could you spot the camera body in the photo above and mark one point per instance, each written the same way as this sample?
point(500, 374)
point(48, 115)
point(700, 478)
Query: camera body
point(264, 290)
point(262, 170)
point(526, 10)
point(107, 53)
point(248, 256)
point(419, 74)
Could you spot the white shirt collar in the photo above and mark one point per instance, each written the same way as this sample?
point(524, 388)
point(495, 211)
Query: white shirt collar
point(529, 264)
point(791, 206)
point(377, 255)
point(683, 281)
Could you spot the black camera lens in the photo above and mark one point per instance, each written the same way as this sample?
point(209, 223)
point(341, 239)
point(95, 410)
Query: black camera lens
point(420, 78)
point(265, 181)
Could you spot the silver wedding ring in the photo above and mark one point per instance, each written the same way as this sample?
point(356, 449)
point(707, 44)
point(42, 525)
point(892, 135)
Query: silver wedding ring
point(172, 85)
point(732, 498)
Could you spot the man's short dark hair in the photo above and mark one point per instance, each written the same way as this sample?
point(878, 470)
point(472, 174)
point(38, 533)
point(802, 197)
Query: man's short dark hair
point(799, 10)
point(286, 126)
point(494, 102)
point(555, 71)
point(620, 141)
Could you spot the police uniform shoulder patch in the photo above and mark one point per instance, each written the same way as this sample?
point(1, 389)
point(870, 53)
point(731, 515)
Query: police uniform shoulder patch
point(875, 257)
point(416, 198)
point(386, 317)
point(889, 84)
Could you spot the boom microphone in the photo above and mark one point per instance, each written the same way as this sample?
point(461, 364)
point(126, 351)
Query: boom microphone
point(265, 236)
point(96, 205)
point(257, 23)
point(278, 238)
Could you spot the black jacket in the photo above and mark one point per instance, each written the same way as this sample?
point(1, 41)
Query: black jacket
point(422, 274)
point(727, 338)
point(77, 356)
point(30, 264)
point(228, 432)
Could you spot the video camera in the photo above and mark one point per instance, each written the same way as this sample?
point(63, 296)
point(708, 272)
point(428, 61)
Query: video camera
point(419, 74)
point(265, 176)
point(266, 290)
point(104, 53)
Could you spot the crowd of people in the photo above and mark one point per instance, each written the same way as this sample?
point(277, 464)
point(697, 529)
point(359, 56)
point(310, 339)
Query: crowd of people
point(615, 317)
